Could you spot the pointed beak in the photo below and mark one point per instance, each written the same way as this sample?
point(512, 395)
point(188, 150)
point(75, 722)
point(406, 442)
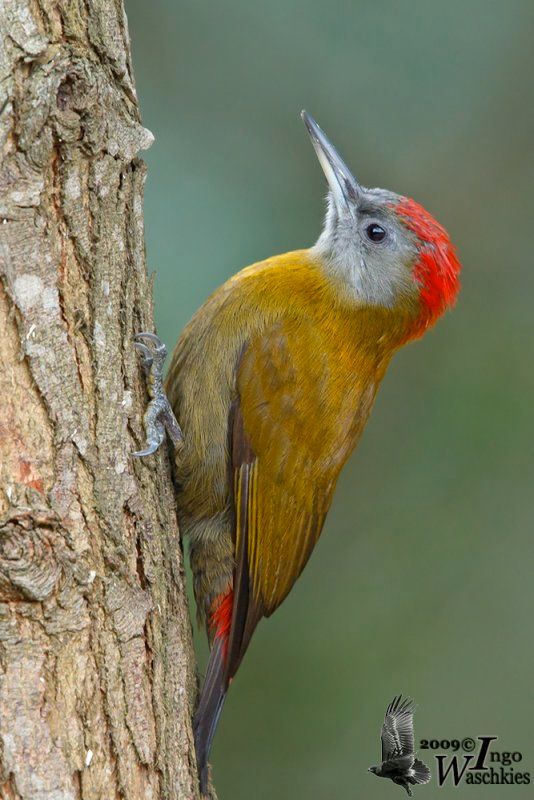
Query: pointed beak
point(345, 188)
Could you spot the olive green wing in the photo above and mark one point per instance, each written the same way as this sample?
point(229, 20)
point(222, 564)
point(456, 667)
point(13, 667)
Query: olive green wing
point(289, 440)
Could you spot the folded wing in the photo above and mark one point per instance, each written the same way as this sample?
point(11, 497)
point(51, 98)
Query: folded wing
point(288, 445)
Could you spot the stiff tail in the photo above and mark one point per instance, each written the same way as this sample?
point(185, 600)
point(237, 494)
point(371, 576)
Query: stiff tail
point(214, 687)
point(209, 710)
point(421, 772)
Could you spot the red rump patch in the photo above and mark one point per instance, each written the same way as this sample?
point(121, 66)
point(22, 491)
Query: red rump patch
point(437, 268)
point(221, 617)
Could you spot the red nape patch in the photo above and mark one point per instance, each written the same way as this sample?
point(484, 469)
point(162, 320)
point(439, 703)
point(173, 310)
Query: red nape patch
point(437, 268)
point(221, 617)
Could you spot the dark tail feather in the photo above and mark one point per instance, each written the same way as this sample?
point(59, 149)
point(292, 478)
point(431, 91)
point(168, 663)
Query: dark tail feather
point(421, 772)
point(209, 710)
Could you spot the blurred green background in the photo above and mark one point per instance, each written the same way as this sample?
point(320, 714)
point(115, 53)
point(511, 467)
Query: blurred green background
point(422, 581)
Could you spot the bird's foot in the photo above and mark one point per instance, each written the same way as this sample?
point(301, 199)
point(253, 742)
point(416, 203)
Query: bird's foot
point(159, 416)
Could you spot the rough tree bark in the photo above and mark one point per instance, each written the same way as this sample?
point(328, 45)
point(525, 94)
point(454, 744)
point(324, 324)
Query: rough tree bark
point(96, 667)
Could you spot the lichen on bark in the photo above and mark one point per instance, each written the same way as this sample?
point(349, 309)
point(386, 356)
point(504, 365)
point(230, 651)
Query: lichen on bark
point(97, 675)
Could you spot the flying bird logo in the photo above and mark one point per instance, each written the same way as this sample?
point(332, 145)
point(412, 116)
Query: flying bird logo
point(399, 763)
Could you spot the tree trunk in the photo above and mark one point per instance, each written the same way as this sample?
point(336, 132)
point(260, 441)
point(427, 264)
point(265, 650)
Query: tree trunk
point(97, 674)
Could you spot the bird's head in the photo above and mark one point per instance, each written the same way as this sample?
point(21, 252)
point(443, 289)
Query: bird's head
point(386, 249)
point(374, 770)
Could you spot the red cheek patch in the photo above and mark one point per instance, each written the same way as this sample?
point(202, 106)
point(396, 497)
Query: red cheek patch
point(437, 267)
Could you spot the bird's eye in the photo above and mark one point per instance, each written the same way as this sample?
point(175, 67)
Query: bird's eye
point(375, 232)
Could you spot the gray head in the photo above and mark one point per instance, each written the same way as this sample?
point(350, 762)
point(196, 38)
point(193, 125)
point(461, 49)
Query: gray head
point(385, 248)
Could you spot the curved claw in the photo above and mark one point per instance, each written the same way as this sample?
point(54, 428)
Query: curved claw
point(148, 451)
point(155, 433)
point(159, 347)
point(153, 337)
point(143, 349)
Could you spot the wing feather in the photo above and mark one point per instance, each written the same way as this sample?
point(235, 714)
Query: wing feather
point(397, 730)
point(282, 385)
point(291, 431)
